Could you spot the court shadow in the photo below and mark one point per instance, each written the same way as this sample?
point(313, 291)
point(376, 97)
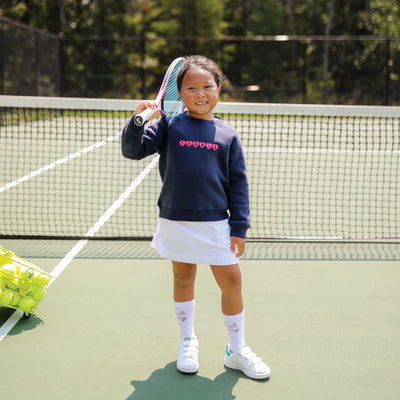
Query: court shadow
point(23, 325)
point(169, 384)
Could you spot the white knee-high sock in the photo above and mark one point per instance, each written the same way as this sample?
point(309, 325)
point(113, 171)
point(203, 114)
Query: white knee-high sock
point(185, 314)
point(235, 328)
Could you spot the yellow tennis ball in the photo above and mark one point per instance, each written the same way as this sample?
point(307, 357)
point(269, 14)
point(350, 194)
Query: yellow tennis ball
point(8, 270)
point(22, 270)
point(27, 291)
point(39, 294)
point(3, 283)
point(28, 274)
point(27, 304)
point(24, 284)
point(41, 279)
point(7, 296)
point(12, 284)
point(15, 300)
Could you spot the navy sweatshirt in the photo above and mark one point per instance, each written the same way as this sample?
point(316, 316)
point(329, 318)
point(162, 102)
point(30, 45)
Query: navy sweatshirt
point(202, 168)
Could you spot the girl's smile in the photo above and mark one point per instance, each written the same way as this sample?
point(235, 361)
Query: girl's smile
point(199, 92)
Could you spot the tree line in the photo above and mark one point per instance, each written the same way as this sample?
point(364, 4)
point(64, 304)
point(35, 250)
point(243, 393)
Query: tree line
point(308, 51)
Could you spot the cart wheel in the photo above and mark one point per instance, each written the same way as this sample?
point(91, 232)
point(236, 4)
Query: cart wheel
point(26, 315)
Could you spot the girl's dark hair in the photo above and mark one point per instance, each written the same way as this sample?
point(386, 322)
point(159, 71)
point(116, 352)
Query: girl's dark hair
point(200, 62)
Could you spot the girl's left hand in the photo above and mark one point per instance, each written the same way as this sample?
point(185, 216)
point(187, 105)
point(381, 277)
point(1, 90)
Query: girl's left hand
point(238, 245)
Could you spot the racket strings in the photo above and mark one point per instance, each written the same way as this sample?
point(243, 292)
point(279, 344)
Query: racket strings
point(171, 103)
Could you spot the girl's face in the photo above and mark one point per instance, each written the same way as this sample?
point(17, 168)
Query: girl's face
point(199, 92)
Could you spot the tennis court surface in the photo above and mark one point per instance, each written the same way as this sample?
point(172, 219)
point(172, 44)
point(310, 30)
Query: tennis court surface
point(321, 270)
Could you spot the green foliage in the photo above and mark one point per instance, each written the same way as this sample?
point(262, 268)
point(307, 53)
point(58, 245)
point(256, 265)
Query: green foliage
point(121, 48)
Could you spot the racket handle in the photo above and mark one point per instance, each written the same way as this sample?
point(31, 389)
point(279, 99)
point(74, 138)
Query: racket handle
point(141, 118)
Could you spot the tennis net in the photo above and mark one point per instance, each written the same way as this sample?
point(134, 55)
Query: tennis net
point(315, 172)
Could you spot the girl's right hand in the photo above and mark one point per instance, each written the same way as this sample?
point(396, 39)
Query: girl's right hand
point(143, 105)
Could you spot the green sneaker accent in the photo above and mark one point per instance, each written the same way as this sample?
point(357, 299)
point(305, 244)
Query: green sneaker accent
point(227, 351)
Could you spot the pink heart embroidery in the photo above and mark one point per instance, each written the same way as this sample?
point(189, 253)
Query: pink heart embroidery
point(188, 143)
point(195, 144)
point(182, 143)
point(202, 144)
point(215, 146)
point(208, 145)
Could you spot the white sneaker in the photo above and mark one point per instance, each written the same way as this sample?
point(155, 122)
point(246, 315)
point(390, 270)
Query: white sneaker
point(246, 361)
point(188, 361)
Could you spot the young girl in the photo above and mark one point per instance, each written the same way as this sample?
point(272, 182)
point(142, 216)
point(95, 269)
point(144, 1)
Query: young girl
point(204, 207)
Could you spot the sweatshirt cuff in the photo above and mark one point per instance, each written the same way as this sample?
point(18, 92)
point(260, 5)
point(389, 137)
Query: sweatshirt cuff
point(239, 229)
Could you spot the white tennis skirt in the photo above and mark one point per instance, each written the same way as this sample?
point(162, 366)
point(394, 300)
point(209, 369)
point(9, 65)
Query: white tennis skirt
point(194, 242)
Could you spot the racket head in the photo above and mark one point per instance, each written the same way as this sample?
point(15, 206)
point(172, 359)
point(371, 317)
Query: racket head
point(168, 99)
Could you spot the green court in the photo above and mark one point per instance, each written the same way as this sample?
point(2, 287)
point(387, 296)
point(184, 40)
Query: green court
point(107, 330)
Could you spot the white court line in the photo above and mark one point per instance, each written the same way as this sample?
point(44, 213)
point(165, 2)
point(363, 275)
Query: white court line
point(17, 315)
point(58, 162)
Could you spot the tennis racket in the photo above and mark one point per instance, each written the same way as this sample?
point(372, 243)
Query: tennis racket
point(167, 99)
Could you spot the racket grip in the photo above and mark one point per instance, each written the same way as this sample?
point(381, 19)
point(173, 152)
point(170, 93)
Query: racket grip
point(141, 118)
